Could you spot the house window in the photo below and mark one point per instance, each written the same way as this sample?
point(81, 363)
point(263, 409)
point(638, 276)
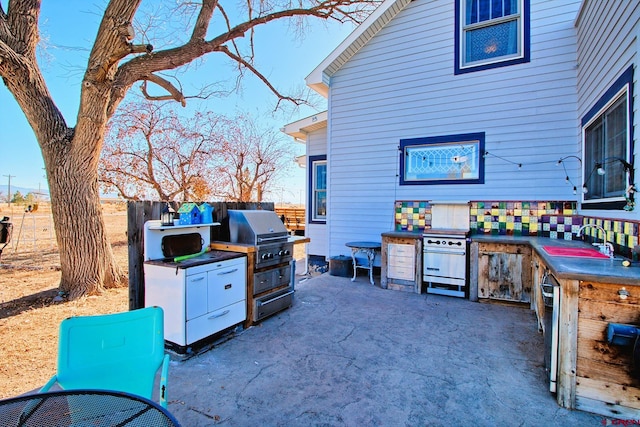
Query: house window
point(491, 33)
point(318, 189)
point(450, 159)
point(606, 136)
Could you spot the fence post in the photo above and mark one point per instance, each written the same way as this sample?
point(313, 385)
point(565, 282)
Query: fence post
point(137, 214)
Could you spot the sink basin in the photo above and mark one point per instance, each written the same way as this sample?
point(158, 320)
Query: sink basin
point(574, 252)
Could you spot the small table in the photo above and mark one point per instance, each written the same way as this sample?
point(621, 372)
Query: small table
point(369, 248)
point(84, 408)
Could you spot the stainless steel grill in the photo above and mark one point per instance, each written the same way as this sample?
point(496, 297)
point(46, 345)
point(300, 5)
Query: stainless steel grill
point(256, 227)
point(272, 273)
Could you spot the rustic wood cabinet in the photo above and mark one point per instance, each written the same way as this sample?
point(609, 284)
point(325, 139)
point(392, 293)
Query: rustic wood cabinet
point(401, 262)
point(504, 272)
point(593, 375)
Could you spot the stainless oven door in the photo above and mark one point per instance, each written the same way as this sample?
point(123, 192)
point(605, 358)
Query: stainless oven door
point(444, 266)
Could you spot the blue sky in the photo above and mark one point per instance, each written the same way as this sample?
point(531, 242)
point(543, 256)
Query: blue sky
point(68, 33)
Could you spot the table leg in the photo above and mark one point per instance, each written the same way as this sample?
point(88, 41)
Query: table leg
point(371, 254)
point(353, 257)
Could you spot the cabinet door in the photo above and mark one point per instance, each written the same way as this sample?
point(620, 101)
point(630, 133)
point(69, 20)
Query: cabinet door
point(225, 285)
point(504, 276)
point(196, 295)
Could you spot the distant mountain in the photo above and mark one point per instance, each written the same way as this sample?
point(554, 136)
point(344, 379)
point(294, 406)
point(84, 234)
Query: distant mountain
point(42, 194)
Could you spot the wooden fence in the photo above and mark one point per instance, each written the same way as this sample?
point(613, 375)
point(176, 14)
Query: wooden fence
point(140, 212)
point(293, 219)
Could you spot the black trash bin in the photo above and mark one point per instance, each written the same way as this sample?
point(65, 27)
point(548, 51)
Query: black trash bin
point(341, 266)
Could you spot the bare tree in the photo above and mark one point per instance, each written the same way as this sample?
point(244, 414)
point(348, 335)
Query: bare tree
point(151, 152)
point(117, 60)
point(149, 149)
point(249, 159)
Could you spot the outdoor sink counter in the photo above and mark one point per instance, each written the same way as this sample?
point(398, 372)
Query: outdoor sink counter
point(569, 267)
point(593, 374)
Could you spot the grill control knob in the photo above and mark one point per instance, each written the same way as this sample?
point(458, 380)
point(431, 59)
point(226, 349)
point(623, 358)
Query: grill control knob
point(266, 256)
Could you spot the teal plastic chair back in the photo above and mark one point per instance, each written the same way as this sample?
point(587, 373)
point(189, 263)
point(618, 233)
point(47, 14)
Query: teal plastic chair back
point(121, 351)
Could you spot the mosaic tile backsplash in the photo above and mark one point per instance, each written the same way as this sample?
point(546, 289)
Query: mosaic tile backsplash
point(412, 216)
point(514, 218)
point(553, 219)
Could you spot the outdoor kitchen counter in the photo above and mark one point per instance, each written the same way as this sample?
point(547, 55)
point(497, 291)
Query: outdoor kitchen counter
point(206, 258)
point(591, 373)
point(562, 267)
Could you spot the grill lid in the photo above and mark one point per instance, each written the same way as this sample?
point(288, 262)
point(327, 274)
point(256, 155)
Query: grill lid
point(256, 227)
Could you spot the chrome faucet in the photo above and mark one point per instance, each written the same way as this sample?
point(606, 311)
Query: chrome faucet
point(605, 247)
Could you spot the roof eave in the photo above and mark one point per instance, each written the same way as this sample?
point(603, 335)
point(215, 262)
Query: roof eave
point(301, 128)
point(318, 79)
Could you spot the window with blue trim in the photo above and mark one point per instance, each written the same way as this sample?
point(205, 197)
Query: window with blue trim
point(318, 189)
point(491, 33)
point(446, 159)
point(607, 140)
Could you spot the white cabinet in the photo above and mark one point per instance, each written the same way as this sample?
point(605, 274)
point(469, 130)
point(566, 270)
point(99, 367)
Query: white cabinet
point(197, 301)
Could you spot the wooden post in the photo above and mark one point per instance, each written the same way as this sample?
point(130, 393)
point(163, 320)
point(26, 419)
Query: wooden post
point(567, 343)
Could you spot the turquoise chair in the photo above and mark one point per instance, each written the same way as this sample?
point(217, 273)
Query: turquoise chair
point(121, 351)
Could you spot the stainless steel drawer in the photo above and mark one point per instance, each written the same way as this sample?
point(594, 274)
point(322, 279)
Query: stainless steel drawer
point(272, 303)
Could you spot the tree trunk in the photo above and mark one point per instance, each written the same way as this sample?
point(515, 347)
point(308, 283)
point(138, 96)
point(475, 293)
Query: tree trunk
point(86, 259)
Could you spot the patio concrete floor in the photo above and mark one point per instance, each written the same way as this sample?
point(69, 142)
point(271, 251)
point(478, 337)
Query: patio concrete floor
point(352, 354)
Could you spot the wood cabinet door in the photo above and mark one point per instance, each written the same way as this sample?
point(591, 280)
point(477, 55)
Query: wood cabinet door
point(504, 276)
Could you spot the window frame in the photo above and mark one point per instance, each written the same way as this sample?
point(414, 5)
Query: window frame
point(437, 142)
point(524, 45)
point(623, 86)
point(313, 218)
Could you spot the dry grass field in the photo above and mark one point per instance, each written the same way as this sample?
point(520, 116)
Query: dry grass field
point(29, 277)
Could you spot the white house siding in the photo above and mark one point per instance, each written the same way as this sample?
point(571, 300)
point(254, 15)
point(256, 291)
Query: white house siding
point(401, 85)
point(607, 35)
point(316, 146)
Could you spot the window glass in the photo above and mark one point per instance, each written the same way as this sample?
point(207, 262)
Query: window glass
point(605, 142)
point(450, 159)
point(491, 42)
point(317, 189)
point(491, 33)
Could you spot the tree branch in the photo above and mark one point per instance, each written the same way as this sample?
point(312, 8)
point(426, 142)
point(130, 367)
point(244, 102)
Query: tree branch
point(204, 17)
point(140, 67)
point(20, 29)
point(174, 93)
point(296, 101)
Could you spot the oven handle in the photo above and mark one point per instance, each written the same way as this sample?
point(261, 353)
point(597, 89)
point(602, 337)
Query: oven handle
point(222, 273)
point(431, 251)
point(261, 303)
point(268, 239)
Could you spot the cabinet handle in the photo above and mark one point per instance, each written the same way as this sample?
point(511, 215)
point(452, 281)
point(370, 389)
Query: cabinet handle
point(215, 316)
point(448, 252)
point(222, 273)
point(197, 279)
point(269, 301)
